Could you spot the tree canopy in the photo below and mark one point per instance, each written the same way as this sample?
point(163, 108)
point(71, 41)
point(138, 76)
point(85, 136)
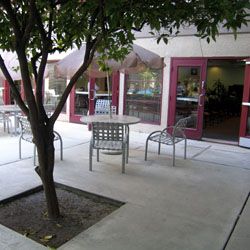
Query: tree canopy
point(40, 27)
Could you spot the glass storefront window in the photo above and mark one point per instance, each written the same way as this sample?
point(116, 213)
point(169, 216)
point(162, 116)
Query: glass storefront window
point(187, 93)
point(101, 88)
point(143, 95)
point(54, 88)
point(81, 96)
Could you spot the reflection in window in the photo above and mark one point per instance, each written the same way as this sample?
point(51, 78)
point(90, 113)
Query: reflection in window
point(81, 96)
point(101, 88)
point(143, 97)
point(54, 88)
point(187, 93)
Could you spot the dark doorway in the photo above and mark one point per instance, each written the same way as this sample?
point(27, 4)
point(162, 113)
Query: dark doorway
point(224, 89)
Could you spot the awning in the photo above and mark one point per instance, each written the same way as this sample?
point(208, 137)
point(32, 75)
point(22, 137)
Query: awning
point(136, 61)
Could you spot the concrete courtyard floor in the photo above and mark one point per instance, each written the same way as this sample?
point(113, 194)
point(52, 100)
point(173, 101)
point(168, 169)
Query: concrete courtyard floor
point(202, 203)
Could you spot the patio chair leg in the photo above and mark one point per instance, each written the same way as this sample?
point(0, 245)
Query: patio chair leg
point(127, 154)
point(10, 129)
point(34, 159)
point(123, 159)
point(159, 148)
point(173, 155)
point(185, 149)
point(90, 157)
point(97, 155)
point(61, 144)
point(127, 127)
point(146, 150)
point(20, 148)
point(8, 125)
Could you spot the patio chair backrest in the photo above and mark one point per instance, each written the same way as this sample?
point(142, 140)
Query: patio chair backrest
point(111, 137)
point(108, 131)
point(102, 107)
point(179, 128)
point(26, 132)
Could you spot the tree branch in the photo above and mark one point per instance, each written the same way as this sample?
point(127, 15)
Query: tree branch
point(39, 22)
point(33, 64)
point(89, 54)
point(31, 22)
point(46, 45)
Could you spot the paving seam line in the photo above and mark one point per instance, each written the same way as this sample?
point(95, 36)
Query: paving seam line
point(202, 151)
point(235, 222)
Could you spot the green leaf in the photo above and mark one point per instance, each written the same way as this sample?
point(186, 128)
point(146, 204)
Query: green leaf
point(165, 40)
point(47, 238)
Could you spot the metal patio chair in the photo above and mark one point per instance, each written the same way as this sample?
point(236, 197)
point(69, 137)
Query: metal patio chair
point(108, 136)
point(6, 121)
point(26, 135)
point(102, 107)
point(164, 137)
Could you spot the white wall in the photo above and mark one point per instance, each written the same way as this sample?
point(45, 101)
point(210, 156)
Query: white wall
point(183, 46)
point(190, 46)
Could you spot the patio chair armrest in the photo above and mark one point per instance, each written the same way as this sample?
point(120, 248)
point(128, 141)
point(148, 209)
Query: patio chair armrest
point(168, 127)
point(180, 134)
point(155, 132)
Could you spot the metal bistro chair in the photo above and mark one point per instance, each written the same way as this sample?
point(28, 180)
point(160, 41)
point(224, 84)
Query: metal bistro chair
point(26, 135)
point(5, 119)
point(102, 107)
point(108, 136)
point(163, 137)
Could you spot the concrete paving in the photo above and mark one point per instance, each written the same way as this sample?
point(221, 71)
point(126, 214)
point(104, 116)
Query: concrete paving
point(199, 204)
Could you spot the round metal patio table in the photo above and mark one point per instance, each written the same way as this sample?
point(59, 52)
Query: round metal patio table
point(14, 110)
point(123, 119)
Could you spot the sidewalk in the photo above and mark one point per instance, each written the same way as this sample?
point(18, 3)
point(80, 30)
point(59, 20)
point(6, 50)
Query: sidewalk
point(194, 205)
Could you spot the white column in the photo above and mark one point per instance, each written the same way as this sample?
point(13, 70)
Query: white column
point(121, 93)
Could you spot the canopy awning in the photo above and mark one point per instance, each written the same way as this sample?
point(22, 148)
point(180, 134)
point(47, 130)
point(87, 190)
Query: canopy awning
point(136, 61)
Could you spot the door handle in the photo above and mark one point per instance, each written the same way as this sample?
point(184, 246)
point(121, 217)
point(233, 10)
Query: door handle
point(246, 103)
point(200, 100)
point(202, 84)
point(93, 91)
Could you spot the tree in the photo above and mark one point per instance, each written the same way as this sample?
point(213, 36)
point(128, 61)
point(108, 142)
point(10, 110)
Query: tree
point(35, 28)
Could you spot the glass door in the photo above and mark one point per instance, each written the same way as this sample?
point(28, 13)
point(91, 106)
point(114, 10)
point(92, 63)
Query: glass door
point(79, 99)
point(187, 93)
point(86, 91)
point(245, 111)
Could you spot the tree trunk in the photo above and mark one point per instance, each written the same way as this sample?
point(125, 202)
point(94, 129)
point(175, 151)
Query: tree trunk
point(46, 153)
point(51, 197)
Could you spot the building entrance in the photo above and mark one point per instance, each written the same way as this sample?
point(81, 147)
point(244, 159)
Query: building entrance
point(222, 109)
